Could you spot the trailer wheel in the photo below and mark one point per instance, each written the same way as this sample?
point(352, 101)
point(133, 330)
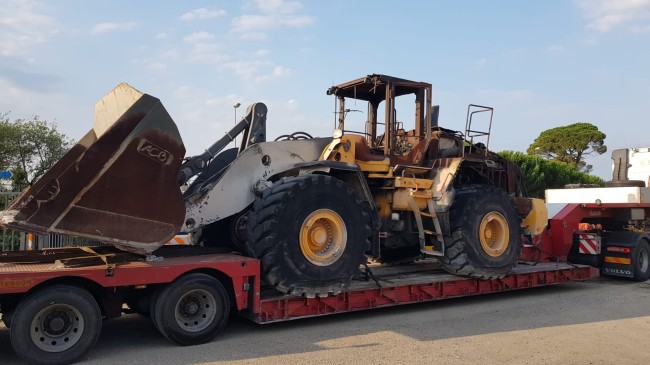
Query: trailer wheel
point(55, 325)
point(192, 309)
point(311, 234)
point(231, 230)
point(486, 239)
point(642, 261)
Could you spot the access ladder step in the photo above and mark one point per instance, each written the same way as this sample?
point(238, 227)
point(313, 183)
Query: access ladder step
point(431, 251)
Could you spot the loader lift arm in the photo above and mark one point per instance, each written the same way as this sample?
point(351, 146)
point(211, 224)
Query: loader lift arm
point(253, 127)
point(120, 183)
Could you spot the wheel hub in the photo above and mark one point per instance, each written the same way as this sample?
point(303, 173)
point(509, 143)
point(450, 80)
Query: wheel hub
point(494, 234)
point(191, 307)
point(57, 328)
point(319, 236)
point(56, 325)
point(323, 237)
point(196, 310)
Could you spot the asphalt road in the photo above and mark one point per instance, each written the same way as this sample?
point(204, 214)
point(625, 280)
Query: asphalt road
point(602, 321)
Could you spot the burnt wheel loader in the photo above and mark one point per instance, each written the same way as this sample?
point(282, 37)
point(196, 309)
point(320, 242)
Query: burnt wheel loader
point(312, 210)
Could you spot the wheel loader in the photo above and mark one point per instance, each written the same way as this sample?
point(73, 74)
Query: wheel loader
point(312, 210)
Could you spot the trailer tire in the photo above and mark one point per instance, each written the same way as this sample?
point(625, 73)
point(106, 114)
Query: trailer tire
point(153, 301)
point(310, 233)
point(55, 325)
point(192, 310)
point(234, 228)
point(642, 261)
point(486, 238)
point(7, 316)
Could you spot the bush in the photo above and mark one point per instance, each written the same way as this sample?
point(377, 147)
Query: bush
point(540, 174)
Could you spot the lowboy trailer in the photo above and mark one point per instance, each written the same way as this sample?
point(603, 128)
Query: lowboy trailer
point(53, 301)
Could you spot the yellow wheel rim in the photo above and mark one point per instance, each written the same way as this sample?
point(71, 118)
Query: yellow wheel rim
point(494, 234)
point(323, 237)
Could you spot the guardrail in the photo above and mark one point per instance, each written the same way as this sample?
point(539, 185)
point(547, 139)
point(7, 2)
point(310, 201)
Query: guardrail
point(15, 240)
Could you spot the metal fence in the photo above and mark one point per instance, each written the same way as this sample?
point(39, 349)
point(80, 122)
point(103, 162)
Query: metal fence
point(15, 240)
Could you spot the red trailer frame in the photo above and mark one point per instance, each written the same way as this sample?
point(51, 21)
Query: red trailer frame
point(109, 275)
point(417, 282)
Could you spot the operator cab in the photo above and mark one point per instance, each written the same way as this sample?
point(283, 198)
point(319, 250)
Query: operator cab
point(383, 135)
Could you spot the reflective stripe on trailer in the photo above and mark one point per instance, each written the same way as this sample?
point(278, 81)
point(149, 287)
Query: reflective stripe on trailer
point(181, 239)
point(618, 260)
point(589, 243)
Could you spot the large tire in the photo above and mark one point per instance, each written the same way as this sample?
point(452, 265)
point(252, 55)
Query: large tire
point(192, 310)
point(640, 255)
point(642, 260)
point(55, 325)
point(310, 233)
point(486, 239)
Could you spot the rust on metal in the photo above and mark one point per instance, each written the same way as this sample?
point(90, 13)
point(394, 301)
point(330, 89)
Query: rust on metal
point(119, 188)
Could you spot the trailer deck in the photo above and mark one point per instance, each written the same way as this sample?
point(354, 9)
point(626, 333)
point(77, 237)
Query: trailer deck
point(414, 283)
point(57, 279)
point(382, 286)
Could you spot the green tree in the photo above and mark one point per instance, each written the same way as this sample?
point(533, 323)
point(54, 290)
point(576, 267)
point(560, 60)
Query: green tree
point(29, 148)
point(570, 144)
point(541, 174)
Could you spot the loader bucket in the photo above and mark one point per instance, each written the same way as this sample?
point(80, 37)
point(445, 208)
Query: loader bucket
point(117, 185)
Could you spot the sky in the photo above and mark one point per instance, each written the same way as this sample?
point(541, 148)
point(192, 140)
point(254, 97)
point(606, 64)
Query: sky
point(540, 64)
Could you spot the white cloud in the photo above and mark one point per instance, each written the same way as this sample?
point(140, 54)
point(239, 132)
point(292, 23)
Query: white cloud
point(244, 69)
point(203, 14)
point(207, 53)
point(278, 6)
point(161, 35)
point(111, 27)
point(640, 29)
point(292, 105)
point(279, 71)
point(258, 70)
point(157, 66)
point(23, 25)
point(197, 37)
point(199, 109)
point(273, 14)
point(262, 52)
point(25, 103)
point(606, 15)
point(481, 62)
point(248, 23)
point(170, 55)
point(162, 60)
point(198, 47)
point(254, 36)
